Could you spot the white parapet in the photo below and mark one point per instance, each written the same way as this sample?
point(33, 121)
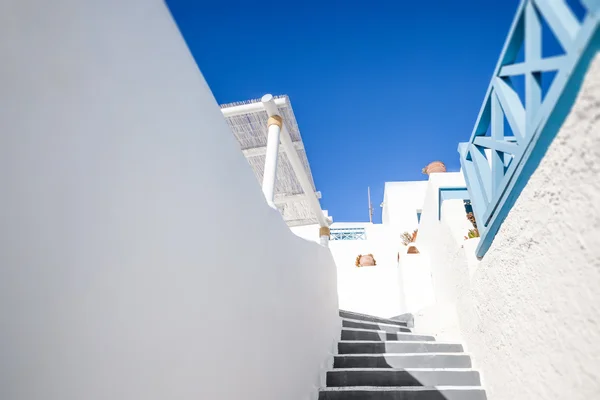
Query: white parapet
point(136, 242)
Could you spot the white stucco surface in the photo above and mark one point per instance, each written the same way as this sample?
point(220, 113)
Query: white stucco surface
point(433, 288)
point(532, 315)
point(373, 290)
point(138, 257)
point(416, 283)
point(401, 200)
point(390, 288)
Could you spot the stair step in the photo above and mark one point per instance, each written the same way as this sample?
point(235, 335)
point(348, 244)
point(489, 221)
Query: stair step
point(377, 347)
point(369, 334)
point(414, 360)
point(370, 318)
point(402, 377)
point(354, 323)
point(403, 393)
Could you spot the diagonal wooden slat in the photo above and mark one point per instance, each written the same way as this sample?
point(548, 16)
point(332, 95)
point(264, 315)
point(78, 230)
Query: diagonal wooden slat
point(497, 139)
point(541, 65)
point(489, 212)
point(593, 6)
point(497, 145)
point(513, 109)
point(475, 191)
point(561, 20)
point(533, 53)
point(484, 173)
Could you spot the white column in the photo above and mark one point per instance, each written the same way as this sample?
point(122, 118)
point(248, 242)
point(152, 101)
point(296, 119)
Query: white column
point(270, 171)
point(324, 234)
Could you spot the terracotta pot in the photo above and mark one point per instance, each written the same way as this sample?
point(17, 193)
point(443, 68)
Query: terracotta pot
point(436, 166)
point(366, 261)
point(412, 250)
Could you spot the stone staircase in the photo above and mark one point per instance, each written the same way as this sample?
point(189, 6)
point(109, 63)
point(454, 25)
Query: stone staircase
point(380, 359)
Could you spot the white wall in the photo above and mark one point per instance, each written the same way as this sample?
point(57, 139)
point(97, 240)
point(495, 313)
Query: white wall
point(453, 212)
point(130, 266)
point(372, 290)
point(401, 200)
point(391, 288)
point(429, 277)
point(532, 316)
point(416, 283)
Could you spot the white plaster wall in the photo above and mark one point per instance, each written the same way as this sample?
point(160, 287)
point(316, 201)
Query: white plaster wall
point(371, 290)
point(416, 283)
point(393, 288)
point(440, 241)
point(532, 315)
point(138, 258)
point(401, 200)
point(453, 217)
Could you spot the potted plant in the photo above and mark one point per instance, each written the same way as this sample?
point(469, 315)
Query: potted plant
point(435, 166)
point(472, 233)
point(407, 239)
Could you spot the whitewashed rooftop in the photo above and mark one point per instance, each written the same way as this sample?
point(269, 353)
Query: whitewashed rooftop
point(248, 122)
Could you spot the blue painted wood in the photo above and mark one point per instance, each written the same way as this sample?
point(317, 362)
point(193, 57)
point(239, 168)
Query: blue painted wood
point(593, 6)
point(509, 54)
point(533, 53)
point(462, 149)
point(497, 138)
point(494, 190)
point(477, 200)
point(561, 20)
point(498, 145)
point(484, 174)
point(542, 65)
point(512, 107)
point(494, 203)
point(551, 119)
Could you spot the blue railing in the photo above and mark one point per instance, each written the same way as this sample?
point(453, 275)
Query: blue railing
point(499, 158)
point(348, 234)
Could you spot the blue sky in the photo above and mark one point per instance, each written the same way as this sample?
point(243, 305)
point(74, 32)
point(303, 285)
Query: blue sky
point(379, 88)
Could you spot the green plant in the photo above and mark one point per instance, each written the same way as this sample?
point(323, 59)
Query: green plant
point(473, 233)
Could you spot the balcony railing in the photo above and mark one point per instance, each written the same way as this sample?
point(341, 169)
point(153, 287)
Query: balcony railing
point(499, 158)
point(348, 234)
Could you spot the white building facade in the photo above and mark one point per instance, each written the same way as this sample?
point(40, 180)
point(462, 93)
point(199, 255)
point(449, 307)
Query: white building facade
point(145, 228)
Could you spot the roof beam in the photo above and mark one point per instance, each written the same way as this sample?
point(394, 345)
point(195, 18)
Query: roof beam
point(250, 107)
point(261, 151)
point(292, 198)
